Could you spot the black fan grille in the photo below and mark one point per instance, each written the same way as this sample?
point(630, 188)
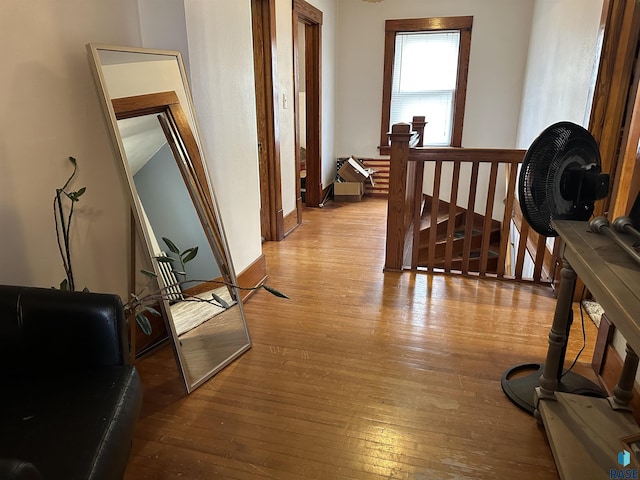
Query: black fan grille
point(540, 192)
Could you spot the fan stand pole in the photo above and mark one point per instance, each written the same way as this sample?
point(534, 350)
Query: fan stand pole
point(550, 377)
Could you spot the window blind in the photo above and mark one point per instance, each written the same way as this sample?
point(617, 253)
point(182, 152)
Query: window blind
point(424, 81)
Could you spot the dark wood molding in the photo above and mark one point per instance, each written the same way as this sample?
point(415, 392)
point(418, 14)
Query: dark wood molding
point(613, 91)
point(266, 87)
point(291, 222)
point(461, 87)
point(431, 23)
point(392, 27)
point(250, 277)
point(311, 17)
point(306, 12)
point(253, 275)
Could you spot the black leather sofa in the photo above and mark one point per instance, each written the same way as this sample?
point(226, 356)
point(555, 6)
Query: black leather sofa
point(69, 398)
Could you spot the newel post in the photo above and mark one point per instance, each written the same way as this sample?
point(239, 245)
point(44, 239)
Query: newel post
point(418, 125)
point(396, 225)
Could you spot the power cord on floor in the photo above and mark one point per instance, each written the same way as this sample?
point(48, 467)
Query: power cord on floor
point(584, 333)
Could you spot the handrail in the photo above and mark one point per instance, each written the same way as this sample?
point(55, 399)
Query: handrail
point(406, 244)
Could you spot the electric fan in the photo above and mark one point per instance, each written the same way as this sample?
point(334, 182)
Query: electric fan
point(560, 179)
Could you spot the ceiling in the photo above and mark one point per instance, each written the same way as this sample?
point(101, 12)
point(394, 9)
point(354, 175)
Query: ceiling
point(142, 137)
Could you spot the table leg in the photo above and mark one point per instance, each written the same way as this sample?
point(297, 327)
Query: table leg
point(623, 391)
point(549, 380)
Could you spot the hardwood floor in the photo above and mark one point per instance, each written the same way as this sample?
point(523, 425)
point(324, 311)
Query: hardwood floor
point(360, 374)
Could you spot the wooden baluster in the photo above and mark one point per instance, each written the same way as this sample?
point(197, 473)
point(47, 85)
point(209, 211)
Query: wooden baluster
point(435, 206)
point(522, 249)
point(453, 212)
point(396, 232)
point(416, 171)
point(468, 226)
point(417, 212)
point(539, 260)
point(506, 220)
point(488, 219)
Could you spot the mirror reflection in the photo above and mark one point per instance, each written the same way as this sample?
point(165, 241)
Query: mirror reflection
point(147, 101)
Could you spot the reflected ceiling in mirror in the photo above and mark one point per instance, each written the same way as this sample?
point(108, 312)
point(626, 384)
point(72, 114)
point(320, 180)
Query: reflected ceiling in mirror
point(147, 103)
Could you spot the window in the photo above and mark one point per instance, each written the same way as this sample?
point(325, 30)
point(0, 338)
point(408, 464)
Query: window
point(425, 73)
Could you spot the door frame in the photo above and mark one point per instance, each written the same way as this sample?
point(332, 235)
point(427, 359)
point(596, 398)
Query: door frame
point(263, 20)
point(311, 17)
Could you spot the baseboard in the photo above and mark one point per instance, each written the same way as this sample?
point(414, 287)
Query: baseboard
point(252, 276)
point(290, 222)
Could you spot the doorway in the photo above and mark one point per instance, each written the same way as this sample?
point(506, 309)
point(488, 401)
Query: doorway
point(306, 43)
point(307, 37)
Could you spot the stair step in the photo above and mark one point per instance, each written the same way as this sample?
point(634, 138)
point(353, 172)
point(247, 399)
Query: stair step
point(457, 243)
point(474, 262)
point(461, 235)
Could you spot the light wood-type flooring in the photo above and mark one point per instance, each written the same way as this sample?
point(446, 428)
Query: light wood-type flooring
point(360, 374)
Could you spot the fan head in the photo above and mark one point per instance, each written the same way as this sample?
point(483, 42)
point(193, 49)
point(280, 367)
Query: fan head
point(561, 177)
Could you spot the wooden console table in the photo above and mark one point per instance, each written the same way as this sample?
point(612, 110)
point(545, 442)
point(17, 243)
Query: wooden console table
point(585, 433)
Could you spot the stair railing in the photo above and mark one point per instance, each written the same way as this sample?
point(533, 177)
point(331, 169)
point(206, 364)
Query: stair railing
point(407, 209)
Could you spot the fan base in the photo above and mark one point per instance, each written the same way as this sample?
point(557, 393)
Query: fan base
point(521, 390)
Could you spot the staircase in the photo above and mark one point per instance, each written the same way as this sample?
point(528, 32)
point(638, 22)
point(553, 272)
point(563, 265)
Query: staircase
point(460, 233)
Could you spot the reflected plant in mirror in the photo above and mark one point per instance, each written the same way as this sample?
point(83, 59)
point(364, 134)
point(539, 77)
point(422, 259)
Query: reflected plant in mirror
point(143, 302)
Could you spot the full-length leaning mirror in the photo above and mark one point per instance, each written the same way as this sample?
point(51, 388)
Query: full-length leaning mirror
point(153, 125)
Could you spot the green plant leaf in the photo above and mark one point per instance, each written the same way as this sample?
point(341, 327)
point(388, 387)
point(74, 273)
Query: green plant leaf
point(220, 300)
point(148, 273)
point(73, 161)
point(165, 259)
point(64, 285)
point(172, 246)
point(144, 323)
point(273, 291)
point(80, 192)
point(152, 310)
point(191, 254)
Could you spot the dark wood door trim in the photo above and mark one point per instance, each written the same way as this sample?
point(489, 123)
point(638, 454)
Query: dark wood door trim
point(614, 94)
point(266, 85)
point(311, 17)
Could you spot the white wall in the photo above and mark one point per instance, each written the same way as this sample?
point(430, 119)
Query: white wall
point(284, 38)
point(51, 111)
point(163, 25)
point(329, 88)
point(499, 45)
point(560, 66)
point(221, 63)
point(494, 84)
